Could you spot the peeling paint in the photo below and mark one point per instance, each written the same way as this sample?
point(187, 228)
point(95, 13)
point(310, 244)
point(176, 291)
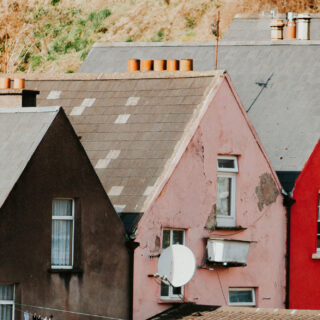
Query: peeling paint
point(212, 219)
point(156, 244)
point(267, 191)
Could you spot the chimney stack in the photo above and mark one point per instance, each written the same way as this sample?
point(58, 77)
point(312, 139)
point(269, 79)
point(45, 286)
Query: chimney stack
point(17, 96)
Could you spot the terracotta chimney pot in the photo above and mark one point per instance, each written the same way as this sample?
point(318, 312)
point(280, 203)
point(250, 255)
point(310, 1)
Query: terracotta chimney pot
point(159, 65)
point(276, 29)
point(186, 65)
point(291, 30)
point(172, 65)
point(18, 84)
point(146, 65)
point(133, 65)
point(4, 83)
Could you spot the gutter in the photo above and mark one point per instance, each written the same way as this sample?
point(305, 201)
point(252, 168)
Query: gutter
point(288, 202)
point(131, 246)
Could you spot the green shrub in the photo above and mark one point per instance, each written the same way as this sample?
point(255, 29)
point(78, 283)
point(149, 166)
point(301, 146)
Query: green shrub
point(190, 22)
point(36, 61)
point(54, 2)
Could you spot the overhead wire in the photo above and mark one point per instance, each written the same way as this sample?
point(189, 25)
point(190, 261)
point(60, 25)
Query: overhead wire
point(68, 311)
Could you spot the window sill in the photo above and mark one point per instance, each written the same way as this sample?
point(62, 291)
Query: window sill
point(171, 300)
point(70, 271)
point(230, 228)
point(316, 256)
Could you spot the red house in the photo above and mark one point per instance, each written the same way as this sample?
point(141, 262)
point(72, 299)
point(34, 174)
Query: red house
point(305, 237)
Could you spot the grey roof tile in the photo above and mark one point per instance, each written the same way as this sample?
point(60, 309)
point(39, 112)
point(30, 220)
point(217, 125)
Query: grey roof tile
point(159, 108)
point(21, 131)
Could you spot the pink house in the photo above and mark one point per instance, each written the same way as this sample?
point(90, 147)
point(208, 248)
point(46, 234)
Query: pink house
point(181, 163)
point(218, 184)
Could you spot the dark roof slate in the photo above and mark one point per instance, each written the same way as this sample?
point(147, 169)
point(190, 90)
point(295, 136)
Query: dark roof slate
point(129, 124)
point(21, 131)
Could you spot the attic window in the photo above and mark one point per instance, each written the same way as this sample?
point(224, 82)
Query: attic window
point(227, 164)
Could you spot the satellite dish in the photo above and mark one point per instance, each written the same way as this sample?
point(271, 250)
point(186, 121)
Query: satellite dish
point(177, 265)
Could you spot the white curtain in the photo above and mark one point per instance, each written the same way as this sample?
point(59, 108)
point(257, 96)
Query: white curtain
point(224, 192)
point(61, 233)
point(6, 294)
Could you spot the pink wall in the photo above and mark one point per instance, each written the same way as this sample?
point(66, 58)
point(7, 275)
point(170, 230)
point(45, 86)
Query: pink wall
point(186, 201)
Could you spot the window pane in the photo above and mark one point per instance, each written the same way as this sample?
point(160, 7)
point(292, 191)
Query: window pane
point(226, 163)
point(5, 312)
point(61, 243)
point(177, 237)
point(6, 292)
point(241, 296)
point(62, 207)
point(318, 241)
point(177, 290)
point(224, 196)
point(166, 239)
point(164, 290)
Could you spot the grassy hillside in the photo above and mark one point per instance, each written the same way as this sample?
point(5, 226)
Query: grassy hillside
point(56, 35)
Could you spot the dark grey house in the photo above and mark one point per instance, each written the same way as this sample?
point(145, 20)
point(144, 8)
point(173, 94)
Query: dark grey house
point(62, 246)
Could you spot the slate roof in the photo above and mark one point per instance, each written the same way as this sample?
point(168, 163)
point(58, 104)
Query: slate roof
point(277, 81)
point(243, 313)
point(130, 124)
point(256, 27)
point(21, 131)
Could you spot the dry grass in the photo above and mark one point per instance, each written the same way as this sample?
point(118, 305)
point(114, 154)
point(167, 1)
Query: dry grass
point(53, 35)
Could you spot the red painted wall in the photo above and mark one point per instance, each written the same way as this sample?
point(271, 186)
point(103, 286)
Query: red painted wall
point(304, 270)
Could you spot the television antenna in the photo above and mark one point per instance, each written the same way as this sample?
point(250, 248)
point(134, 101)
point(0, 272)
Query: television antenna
point(176, 265)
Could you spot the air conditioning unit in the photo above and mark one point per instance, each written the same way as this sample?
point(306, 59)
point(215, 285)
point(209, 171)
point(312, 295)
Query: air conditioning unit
point(228, 251)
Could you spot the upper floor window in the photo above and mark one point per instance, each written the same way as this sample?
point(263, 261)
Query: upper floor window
point(7, 302)
point(169, 237)
point(62, 241)
point(227, 168)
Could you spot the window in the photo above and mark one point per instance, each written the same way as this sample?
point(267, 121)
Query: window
point(62, 241)
point(7, 302)
point(318, 225)
point(242, 297)
point(172, 237)
point(226, 191)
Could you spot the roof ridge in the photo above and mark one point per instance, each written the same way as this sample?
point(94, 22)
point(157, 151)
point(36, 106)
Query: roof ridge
point(29, 109)
point(118, 75)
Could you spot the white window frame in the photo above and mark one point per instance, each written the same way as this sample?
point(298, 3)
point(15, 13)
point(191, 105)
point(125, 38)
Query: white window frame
point(171, 295)
point(72, 244)
point(235, 161)
point(222, 220)
point(10, 302)
point(249, 304)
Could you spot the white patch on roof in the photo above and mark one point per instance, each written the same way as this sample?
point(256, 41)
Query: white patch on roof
point(293, 311)
point(113, 154)
point(53, 94)
point(115, 191)
point(77, 111)
point(148, 191)
point(119, 207)
point(132, 101)
point(122, 118)
point(88, 102)
point(102, 163)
